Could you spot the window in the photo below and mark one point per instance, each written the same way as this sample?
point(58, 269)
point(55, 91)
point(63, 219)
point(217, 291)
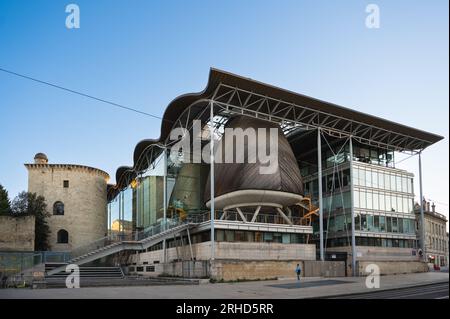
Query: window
point(381, 180)
point(376, 202)
point(357, 222)
point(368, 179)
point(394, 225)
point(389, 225)
point(66, 184)
point(376, 223)
point(393, 183)
point(356, 199)
point(362, 177)
point(400, 225)
point(375, 179)
point(387, 184)
point(369, 222)
point(382, 202)
point(363, 222)
point(62, 236)
point(58, 208)
point(382, 223)
point(369, 200)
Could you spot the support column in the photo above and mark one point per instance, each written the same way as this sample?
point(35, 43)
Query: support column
point(319, 178)
point(190, 243)
point(164, 201)
point(352, 208)
point(422, 219)
point(211, 132)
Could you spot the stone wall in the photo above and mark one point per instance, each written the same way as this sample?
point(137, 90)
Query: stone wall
point(393, 267)
point(225, 250)
point(404, 258)
point(233, 261)
point(85, 212)
point(317, 268)
point(17, 233)
point(232, 270)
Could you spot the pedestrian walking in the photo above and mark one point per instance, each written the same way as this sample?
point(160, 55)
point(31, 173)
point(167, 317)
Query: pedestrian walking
point(298, 271)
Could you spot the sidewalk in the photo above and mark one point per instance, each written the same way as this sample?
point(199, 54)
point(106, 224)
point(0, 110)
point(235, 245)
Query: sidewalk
point(287, 288)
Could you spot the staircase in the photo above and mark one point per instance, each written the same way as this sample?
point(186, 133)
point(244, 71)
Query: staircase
point(89, 272)
point(108, 277)
point(103, 247)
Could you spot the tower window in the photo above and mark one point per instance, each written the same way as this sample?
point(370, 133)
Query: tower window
point(58, 208)
point(66, 184)
point(62, 236)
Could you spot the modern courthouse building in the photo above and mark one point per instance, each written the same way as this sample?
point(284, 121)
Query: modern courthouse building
point(337, 193)
point(334, 196)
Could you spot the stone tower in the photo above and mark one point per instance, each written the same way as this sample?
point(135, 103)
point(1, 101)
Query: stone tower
point(76, 199)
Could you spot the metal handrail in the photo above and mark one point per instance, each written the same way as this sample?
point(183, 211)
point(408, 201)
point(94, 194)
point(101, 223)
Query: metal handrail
point(198, 217)
point(234, 216)
point(130, 236)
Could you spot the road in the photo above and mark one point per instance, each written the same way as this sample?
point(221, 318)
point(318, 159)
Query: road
point(429, 291)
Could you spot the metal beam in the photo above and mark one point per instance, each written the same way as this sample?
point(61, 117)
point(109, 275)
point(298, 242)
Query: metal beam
point(190, 244)
point(241, 214)
point(284, 216)
point(422, 218)
point(352, 208)
point(319, 179)
point(256, 214)
point(165, 202)
point(211, 122)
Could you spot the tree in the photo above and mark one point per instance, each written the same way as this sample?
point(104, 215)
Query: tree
point(5, 205)
point(30, 204)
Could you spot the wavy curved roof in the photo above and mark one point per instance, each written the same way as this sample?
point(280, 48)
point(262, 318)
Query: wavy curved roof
point(328, 115)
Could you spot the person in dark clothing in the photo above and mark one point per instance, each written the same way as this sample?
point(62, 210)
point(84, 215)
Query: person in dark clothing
point(298, 271)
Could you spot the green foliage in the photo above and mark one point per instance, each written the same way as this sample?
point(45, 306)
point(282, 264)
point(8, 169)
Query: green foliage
point(5, 205)
point(30, 204)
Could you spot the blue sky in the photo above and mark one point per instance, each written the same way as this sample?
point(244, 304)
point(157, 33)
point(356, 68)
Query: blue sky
point(145, 53)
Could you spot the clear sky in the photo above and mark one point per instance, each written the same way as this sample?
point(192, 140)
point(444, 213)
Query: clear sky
point(145, 53)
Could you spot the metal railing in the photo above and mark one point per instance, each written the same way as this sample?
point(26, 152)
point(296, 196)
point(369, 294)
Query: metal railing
point(235, 216)
point(17, 262)
point(134, 236)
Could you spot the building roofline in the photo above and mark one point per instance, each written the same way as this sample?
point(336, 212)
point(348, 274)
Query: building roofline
point(89, 168)
point(405, 137)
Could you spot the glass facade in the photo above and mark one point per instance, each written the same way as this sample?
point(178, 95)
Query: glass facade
point(222, 235)
point(383, 198)
point(141, 204)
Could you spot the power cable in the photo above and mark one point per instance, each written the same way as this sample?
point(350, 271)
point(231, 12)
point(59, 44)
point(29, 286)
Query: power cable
point(81, 94)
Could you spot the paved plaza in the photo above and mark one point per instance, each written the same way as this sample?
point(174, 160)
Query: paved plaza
point(279, 289)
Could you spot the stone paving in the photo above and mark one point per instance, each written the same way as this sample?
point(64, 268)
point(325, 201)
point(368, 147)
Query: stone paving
point(307, 288)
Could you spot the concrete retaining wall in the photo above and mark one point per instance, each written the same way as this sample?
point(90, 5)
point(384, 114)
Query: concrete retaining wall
point(231, 270)
point(393, 267)
point(225, 250)
point(324, 268)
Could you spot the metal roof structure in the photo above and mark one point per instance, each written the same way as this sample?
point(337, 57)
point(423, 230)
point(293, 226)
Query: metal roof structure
point(232, 94)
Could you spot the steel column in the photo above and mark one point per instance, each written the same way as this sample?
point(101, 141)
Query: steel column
point(319, 177)
point(164, 201)
point(211, 127)
point(422, 218)
point(352, 208)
